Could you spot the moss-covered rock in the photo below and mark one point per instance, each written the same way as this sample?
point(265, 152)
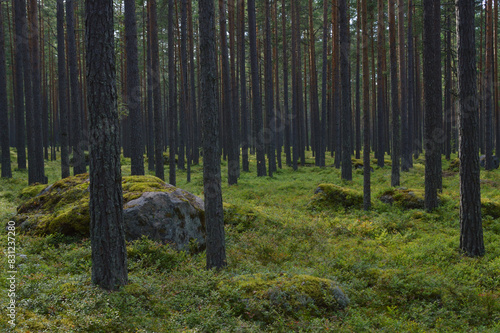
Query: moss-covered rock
point(404, 198)
point(63, 207)
point(334, 196)
point(31, 191)
point(490, 207)
point(260, 295)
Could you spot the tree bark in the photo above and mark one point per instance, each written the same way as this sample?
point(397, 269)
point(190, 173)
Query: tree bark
point(216, 250)
point(396, 130)
point(78, 142)
point(245, 138)
point(133, 90)
point(62, 84)
point(366, 110)
point(471, 233)
point(171, 93)
point(432, 98)
point(269, 96)
point(4, 117)
point(346, 87)
point(488, 88)
point(109, 254)
point(257, 107)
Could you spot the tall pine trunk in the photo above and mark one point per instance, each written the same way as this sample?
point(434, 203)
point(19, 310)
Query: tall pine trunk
point(346, 87)
point(396, 129)
point(107, 236)
point(471, 233)
point(366, 110)
point(4, 117)
point(63, 99)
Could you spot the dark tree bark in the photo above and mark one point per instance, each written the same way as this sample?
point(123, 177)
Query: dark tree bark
point(22, 39)
point(257, 107)
point(380, 85)
point(39, 172)
point(405, 144)
point(278, 113)
point(471, 232)
point(149, 95)
point(109, 254)
point(432, 98)
point(411, 89)
point(195, 156)
point(78, 142)
point(155, 68)
point(133, 90)
point(4, 117)
point(184, 101)
point(216, 250)
point(245, 138)
point(396, 130)
point(171, 93)
point(447, 88)
point(324, 88)
point(269, 96)
point(346, 87)
point(358, 83)
point(19, 88)
point(313, 86)
point(488, 88)
point(232, 175)
point(287, 118)
point(62, 84)
point(366, 110)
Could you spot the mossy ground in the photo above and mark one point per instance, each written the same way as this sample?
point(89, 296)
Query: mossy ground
point(401, 269)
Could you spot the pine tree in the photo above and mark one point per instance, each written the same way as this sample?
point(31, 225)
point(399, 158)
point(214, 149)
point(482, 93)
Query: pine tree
point(4, 118)
point(62, 85)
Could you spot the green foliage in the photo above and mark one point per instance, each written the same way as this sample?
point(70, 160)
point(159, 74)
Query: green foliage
point(402, 270)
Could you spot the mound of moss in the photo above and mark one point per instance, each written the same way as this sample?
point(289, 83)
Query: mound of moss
point(404, 198)
point(239, 217)
point(454, 165)
point(334, 196)
point(63, 207)
point(260, 296)
point(490, 207)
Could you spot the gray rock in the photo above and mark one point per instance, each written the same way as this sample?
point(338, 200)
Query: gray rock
point(176, 218)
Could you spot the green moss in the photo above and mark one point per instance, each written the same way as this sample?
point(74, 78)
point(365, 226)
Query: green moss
point(490, 207)
point(64, 207)
point(294, 295)
point(330, 195)
point(31, 191)
point(404, 198)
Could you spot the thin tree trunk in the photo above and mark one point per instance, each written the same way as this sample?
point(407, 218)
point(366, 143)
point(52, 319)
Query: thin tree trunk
point(257, 106)
point(19, 89)
point(396, 130)
point(245, 138)
point(405, 144)
point(313, 85)
point(411, 89)
point(133, 90)
point(78, 143)
point(269, 96)
point(380, 85)
point(4, 117)
point(63, 99)
point(366, 110)
point(488, 88)
point(171, 93)
point(346, 87)
point(324, 88)
point(287, 116)
point(358, 83)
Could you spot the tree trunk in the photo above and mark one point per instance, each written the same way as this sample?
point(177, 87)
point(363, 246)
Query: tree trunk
point(4, 117)
point(432, 97)
point(488, 88)
point(358, 83)
point(380, 85)
point(471, 232)
point(346, 87)
point(411, 89)
point(257, 107)
point(405, 144)
point(396, 130)
point(78, 142)
point(324, 88)
point(109, 254)
point(63, 99)
point(133, 90)
point(232, 174)
point(366, 110)
point(172, 124)
point(216, 250)
point(313, 86)
point(269, 96)
point(155, 67)
point(245, 138)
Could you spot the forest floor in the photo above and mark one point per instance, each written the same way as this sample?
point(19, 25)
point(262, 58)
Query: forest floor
point(401, 269)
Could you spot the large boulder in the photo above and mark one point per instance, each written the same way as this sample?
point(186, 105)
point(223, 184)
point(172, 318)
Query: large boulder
point(152, 208)
point(176, 217)
point(482, 161)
